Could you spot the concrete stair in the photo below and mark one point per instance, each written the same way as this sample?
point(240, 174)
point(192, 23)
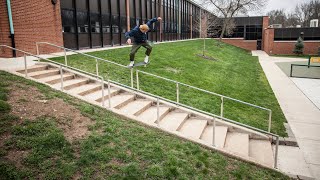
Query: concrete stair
point(44, 73)
point(173, 120)
point(237, 143)
point(97, 95)
point(150, 115)
point(220, 135)
point(230, 139)
point(136, 107)
point(57, 78)
point(193, 127)
point(261, 150)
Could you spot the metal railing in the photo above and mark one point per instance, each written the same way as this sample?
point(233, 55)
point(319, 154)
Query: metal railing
point(178, 84)
point(61, 66)
point(97, 59)
point(304, 65)
point(158, 98)
point(214, 117)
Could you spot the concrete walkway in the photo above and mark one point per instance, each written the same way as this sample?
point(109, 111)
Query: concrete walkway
point(302, 115)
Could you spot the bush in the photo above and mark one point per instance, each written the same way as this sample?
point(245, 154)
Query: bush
point(4, 107)
point(298, 48)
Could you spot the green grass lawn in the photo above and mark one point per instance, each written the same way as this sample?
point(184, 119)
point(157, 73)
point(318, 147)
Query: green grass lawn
point(235, 73)
point(116, 148)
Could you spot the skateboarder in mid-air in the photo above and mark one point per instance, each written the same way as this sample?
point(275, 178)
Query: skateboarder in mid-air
point(140, 39)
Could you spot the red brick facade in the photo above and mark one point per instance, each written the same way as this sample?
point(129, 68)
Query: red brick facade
point(286, 47)
point(33, 21)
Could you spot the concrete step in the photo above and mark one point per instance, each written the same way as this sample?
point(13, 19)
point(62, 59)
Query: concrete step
point(73, 83)
point(34, 69)
point(220, 135)
point(86, 89)
point(136, 107)
point(57, 78)
point(97, 95)
point(173, 120)
point(261, 150)
point(193, 127)
point(44, 73)
point(150, 115)
point(120, 100)
point(237, 143)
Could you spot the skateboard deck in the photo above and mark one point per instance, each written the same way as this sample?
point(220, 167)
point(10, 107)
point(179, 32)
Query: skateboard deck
point(139, 64)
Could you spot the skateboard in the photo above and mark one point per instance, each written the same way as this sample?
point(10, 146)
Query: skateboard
point(139, 64)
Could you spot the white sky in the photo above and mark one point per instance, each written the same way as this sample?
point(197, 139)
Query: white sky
point(287, 5)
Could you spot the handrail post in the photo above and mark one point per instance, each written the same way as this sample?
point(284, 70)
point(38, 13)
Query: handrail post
point(158, 111)
point(61, 77)
point(131, 72)
point(214, 133)
point(65, 57)
point(97, 67)
point(269, 126)
point(38, 53)
point(291, 71)
point(177, 86)
point(221, 108)
point(137, 74)
point(109, 94)
point(102, 91)
point(25, 65)
point(276, 153)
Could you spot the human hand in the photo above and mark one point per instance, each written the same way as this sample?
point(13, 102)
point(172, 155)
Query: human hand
point(129, 41)
point(159, 18)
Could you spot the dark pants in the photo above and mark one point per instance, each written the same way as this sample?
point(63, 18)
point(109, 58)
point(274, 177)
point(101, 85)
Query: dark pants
point(136, 47)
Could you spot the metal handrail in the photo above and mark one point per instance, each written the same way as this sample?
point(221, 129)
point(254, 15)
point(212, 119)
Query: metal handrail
point(206, 91)
point(177, 83)
point(151, 95)
point(61, 68)
point(203, 112)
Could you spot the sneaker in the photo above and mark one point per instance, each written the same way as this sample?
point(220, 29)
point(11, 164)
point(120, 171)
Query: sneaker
point(146, 59)
point(131, 64)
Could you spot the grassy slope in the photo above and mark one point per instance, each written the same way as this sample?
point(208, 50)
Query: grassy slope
point(236, 74)
point(116, 149)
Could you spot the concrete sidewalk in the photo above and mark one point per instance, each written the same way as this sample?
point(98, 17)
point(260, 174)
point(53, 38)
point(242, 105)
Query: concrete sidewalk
point(302, 115)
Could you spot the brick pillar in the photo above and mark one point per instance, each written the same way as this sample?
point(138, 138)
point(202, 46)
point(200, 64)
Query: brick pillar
point(268, 40)
point(265, 25)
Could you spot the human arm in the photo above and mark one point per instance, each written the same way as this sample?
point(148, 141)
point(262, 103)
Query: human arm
point(153, 20)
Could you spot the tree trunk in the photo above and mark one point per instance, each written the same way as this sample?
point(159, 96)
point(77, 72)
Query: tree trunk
point(222, 31)
point(204, 46)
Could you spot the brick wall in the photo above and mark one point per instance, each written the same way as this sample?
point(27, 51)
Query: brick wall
point(244, 44)
point(33, 21)
point(286, 47)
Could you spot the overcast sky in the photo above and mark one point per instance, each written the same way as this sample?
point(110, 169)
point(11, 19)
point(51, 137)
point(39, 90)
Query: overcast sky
point(288, 5)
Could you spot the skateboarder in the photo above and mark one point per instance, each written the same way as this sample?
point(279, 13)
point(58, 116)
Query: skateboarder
point(140, 39)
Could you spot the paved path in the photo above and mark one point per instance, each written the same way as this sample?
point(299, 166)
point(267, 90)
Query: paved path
point(302, 115)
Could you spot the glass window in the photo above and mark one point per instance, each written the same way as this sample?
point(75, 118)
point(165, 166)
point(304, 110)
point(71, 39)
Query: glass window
point(67, 4)
point(105, 6)
point(82, 5)
point(94, 6)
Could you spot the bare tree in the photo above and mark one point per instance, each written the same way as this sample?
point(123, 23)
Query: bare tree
point(277, 17)
point(307, 11)
point(205, 24)
point(229, 8)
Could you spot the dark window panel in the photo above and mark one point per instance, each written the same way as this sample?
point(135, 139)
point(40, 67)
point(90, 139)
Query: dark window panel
point(143, 9)
point(123, 11)
point(114, 7)
point(138, 9)
point(67, 17)
point(105, 6)
point(82, 18)
point(132, 8)
point(82, 5)
point(70, 40)
point(68, 4)
point(94, 6)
